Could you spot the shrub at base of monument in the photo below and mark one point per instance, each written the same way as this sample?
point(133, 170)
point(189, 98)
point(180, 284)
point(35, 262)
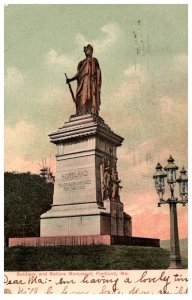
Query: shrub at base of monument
point(98, 257)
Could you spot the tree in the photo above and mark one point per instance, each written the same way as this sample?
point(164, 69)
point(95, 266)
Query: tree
point(27, 196)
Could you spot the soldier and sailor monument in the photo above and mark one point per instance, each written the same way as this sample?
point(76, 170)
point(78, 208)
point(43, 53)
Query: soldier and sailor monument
point(87, 208)
point(86, 200)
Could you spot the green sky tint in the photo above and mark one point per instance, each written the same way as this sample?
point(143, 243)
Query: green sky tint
point(142, 51)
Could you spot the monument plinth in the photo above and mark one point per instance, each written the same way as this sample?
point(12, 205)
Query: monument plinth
point(86, 197)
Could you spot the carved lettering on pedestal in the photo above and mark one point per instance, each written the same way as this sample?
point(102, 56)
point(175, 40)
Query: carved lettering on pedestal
point(74, 175)
point(74, 180)
point(75, 185)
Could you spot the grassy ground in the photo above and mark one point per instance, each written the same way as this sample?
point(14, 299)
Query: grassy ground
point(85, 258)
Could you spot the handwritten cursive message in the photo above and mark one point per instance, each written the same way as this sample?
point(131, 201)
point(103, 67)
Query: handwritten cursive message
point(97, 282)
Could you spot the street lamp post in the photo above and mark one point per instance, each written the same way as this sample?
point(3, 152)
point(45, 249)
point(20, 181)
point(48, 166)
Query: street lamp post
point(159, 176)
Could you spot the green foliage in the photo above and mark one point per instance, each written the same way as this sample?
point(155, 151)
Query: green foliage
point(27, 196)
point(98, 257)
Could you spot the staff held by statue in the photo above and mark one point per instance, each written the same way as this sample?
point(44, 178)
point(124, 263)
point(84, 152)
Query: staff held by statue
point(70, 88)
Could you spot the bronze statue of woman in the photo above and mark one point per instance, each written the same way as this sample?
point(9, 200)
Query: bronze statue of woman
point(88, 84)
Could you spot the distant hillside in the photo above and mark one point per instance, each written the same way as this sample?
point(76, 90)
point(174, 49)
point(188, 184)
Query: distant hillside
point(183, 249)
point(27, 196)
point(183, 246)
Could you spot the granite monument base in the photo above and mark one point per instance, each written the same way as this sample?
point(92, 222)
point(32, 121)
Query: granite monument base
point(84, 240)
point(86, 199)
point(77, 219)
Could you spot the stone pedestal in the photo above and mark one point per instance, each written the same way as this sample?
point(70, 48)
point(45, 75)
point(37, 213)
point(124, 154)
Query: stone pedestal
point(79, 207)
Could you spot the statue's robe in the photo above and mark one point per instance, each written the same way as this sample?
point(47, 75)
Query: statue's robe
point(88, 87)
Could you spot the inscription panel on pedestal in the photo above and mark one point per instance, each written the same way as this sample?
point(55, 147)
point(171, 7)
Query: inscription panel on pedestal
point(74, 180)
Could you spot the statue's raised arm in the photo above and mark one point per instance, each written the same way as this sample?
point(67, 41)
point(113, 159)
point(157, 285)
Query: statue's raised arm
point(88, 78)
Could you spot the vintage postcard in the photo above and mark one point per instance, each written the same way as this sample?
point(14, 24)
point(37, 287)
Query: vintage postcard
point(96, 149)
